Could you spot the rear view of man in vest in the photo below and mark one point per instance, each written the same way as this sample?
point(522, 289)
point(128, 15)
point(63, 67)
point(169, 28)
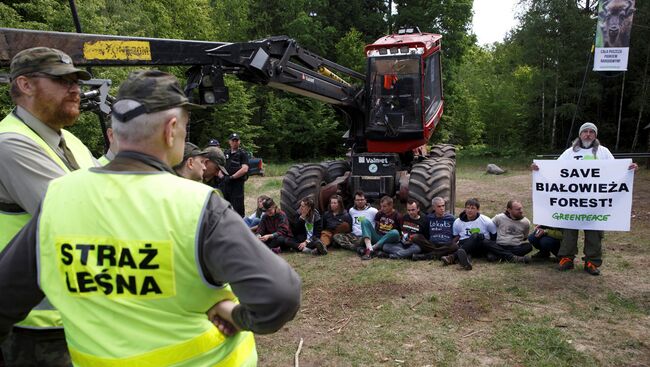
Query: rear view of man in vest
point(34, 149)
point(141, 276)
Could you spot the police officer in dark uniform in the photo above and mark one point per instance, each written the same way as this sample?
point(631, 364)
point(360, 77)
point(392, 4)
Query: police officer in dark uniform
point(237, 167)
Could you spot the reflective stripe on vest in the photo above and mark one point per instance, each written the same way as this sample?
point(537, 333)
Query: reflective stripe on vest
point(11, 223)
point(127, 257)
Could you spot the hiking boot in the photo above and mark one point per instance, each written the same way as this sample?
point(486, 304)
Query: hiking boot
point(521, 259)
point(320, 248)
point(276, 250)
point(491, 258)
point(463, 259)
point(591, 268)
point(367, 255)
point(448, 260)
point(566, 263)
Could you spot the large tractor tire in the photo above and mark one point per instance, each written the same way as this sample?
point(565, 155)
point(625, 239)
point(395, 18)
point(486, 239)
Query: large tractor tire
point(302, 180)
point(433, 177)
point(443, 151)
point(335, 169)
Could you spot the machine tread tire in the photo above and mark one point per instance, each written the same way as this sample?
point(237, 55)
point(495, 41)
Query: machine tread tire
point(300, 181)
point(433, 177)
point(335, 169)
point(443, 151)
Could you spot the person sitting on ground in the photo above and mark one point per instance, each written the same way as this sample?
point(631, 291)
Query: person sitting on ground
point(274, 229)
point(308, 228)
point(512, 231)
point(192, 167)
point(440, 241)
point(414, 224)
point(474, 232)
point(335, 220)
point(386, 229)
point(360, 212)
point(254, 219)
point(547, 240)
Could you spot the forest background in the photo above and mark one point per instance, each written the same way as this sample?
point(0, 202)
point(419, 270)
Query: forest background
point(525, 95)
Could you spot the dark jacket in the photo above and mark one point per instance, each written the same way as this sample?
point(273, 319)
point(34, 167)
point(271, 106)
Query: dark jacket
point(300, 229)
point(331, 220)
point(277, 225)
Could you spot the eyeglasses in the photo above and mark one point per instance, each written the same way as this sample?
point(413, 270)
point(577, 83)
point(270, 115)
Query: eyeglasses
point(63, 81)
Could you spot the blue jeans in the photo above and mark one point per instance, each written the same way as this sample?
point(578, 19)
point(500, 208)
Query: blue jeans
point(545, 244)
point(368, 231)
point(251, 222)
point(399, 250)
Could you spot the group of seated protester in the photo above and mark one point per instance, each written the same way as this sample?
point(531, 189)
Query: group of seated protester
point(386, 233)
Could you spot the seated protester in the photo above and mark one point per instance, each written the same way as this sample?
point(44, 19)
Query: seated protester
point(512, 231)
point(359, 213)
point(440, 241)
point(474, 233)
point(387, 228)
point(274, 229)
point(335, 220)
point(254, 219)
point(547, 240)
point(413, 224)
point(308, 229)
point(192, 166)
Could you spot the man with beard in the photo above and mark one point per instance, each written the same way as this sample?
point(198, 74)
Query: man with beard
point(512, 230)
point(34, 149)
point(585, 147)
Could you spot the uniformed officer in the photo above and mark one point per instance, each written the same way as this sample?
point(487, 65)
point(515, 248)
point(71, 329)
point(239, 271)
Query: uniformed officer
point(34, 149)
point(237, 166)
point(147, 263)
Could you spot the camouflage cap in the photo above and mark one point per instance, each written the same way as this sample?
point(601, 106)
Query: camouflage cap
point(215, 154)
point(191, 150)
point(154, 90)
point(44, 60)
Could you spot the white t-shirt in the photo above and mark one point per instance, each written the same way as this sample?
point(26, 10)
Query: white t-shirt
point(587, 154)
point(367, 213)
point(482, 224)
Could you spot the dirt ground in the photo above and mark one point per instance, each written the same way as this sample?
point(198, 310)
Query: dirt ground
point(403, 313)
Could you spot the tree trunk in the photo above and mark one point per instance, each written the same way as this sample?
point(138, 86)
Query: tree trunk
point(644, 90)
point(554, 123)
point(543, 100)
point(620, 111)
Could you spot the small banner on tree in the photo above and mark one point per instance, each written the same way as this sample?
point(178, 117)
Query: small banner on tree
point(586, 194)
point(613, 34)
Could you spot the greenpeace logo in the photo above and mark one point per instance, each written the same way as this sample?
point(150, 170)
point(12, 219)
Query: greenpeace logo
point(373, 160)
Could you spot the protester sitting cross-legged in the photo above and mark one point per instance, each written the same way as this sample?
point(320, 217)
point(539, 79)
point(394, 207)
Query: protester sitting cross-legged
point(308, 228)
point(414, 225)
point(512, 232)
point(440, 241)
point(253, 220)
point(335, 220)
point(475, 234)
point(387, 228)
point(274, 229)
point(547, 240)
point(359, 213)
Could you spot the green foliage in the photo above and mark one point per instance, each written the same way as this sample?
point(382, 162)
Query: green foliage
point(349, 51)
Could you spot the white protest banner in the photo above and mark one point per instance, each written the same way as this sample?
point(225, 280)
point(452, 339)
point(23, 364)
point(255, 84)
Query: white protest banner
point(613, 34)
point(583, 194)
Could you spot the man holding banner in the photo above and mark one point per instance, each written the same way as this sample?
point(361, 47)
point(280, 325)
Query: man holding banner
point(585, 189)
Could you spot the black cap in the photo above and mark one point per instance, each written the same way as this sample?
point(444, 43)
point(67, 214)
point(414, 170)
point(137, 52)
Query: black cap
point(213, 143)
point(268, 204)
point(234, 136)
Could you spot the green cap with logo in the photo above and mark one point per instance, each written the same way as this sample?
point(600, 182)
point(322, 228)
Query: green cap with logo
point(154, 90)
point(44, 60)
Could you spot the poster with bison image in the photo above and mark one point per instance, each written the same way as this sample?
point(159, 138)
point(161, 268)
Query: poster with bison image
point(613, 34)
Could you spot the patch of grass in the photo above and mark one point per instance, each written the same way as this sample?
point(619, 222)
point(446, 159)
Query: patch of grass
point(536, 343)
point(276, 169)
point(622, 303)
